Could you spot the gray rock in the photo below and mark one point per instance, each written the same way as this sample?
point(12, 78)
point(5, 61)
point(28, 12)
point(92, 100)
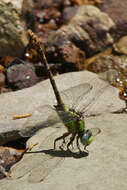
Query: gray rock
point(13, 38)
point(104, 167)
point(34, 100)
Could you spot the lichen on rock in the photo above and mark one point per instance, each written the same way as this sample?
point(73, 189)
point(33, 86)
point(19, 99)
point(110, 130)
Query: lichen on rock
point(12, 32)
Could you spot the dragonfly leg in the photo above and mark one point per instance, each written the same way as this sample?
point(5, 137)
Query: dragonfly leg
point(77, 142)
point(61, 137)
point(86, 149)
point(63, 144)
point(72, 146)
point(71, 140)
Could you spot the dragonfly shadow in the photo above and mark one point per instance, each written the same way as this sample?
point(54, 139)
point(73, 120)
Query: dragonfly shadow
point(62, 153)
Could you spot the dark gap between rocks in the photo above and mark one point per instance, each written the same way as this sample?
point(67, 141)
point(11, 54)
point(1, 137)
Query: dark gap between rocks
point(17, 144)
point(11, 153)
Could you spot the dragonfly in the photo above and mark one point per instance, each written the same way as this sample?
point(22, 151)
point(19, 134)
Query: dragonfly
point(118, 80)
point(72, 118)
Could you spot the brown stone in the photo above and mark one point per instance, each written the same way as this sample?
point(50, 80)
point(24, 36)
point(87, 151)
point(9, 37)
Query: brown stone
point(2, 80)
point(117, 10)
point(21, 75)
point(89, 32)
point(121, 46)
point(106, 62)
point(68, 14)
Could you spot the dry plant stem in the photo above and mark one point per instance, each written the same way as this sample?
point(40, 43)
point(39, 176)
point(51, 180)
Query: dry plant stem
point(85, 2)
point(21, 116)
point(29, 148)
point(35, 42)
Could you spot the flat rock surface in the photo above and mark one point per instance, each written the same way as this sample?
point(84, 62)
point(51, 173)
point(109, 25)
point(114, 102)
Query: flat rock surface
point(104, 168)
point(33, 100)
point(44, 168)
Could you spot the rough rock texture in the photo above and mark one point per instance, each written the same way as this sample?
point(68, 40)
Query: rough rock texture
point(117, 11)
point(27, 14)
point(12, 32)
point(8, 157)
point(2, 79)
point(68, 14)
point(105, 62)
point(121, 46)
point(104, 167)
point(17, 5)
point(21, 75)
point(114, 57)
point(90, 31)
point(33, 100)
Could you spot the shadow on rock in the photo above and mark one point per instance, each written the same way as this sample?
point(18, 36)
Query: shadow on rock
point(61, 153)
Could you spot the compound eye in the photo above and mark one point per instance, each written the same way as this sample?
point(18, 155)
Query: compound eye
point(89, 132)
point(84, 139)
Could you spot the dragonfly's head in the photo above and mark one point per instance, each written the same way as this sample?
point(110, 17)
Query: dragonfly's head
point(87, 138)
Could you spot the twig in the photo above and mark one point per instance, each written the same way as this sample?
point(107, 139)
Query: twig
point(29, 148)
point(21, 116)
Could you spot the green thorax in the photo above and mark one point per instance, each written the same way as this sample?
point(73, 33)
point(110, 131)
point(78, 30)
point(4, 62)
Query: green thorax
point(75, 125)
point(70, 119)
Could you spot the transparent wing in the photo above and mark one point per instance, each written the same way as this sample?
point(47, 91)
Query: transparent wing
point(43, 117)
point(72, 96)
point(111, 76)
point(81, 97)
point(102, 98)
point(92, 98)
point(84, 97)
point(95, 131)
